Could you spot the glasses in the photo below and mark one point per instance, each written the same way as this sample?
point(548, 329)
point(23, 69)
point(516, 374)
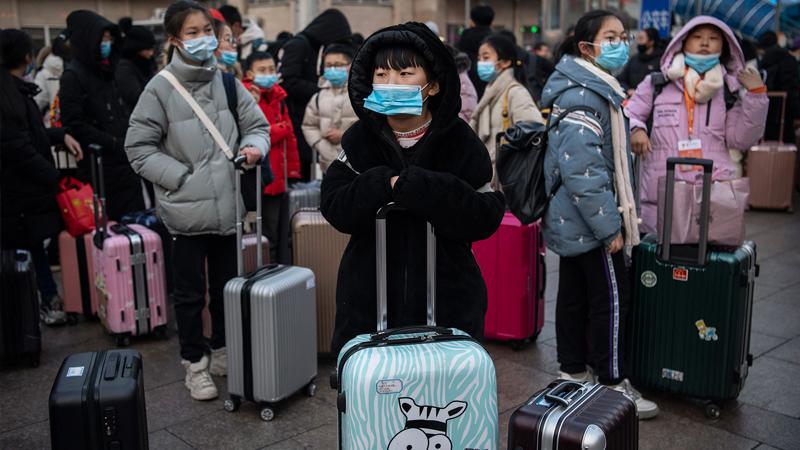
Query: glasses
point(622, 39)
point(231, 40)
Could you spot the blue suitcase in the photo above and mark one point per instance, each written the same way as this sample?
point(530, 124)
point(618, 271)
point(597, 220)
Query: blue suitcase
point(423, 387)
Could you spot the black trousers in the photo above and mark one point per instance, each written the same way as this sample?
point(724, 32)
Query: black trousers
point(591, 309)
point(271, 210)
point(190, 254)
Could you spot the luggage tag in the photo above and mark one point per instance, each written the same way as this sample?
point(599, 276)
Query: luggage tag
point(690, 148)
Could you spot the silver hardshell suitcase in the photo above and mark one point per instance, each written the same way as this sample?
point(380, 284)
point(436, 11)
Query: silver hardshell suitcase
point(271, 329)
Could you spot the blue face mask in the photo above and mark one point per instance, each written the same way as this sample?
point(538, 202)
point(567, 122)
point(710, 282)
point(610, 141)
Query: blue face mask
point(228, 58)
point(266, 81)
point(612, 56)
point(200, 49)
point(487, 71)
point(105, 49)
point(392, 99)
point(336, 75)
point(701, 63)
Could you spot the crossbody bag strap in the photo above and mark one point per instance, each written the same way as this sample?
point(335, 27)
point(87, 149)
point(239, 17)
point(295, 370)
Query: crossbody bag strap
point(223, 145)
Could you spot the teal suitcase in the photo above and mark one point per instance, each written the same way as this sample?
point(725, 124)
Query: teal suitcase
point(423, 387)
point(691, 312)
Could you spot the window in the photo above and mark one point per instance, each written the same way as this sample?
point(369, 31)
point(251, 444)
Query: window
point(554, 22)
point(363, 2)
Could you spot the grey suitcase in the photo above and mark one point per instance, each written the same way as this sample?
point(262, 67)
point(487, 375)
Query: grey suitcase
point(271, 330)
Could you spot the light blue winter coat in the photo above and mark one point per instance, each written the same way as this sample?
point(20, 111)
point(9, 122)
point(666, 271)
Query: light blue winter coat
point(583, 214)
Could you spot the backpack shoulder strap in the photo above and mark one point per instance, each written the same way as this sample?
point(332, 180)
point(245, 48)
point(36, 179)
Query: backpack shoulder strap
point(229, 82)
point(506, 118)
point(730, 98)
point(659, 82)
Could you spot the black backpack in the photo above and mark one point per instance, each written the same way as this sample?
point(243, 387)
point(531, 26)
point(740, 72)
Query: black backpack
point(249, 178)
point(520, 166)
point(660, 81)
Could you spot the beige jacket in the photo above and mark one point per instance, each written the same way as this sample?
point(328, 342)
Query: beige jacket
point(487, 120)
point(329, 108)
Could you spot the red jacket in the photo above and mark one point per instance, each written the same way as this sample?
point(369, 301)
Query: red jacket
point(283, 143)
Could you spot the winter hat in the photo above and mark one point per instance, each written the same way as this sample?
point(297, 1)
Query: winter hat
point(432, 25)
point(138, 38)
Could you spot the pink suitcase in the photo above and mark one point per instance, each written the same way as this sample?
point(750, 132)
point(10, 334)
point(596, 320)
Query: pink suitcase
point(129, 271)
point(77, 274)
point(512, 264)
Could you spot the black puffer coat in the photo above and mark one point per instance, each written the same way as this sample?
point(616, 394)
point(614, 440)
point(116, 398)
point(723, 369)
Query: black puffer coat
point(442, 179)
point(93, 109)
point(28, 177)
point(299, 70)
point(782, 75)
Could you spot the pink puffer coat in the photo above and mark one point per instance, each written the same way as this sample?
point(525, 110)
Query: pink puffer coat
point(717, 127)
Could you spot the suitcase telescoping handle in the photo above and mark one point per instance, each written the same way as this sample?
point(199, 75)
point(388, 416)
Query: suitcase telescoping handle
point(705, 207)
point(556, 394)
point(783, 96)
point(98, 194)
point(238, 164)
point(381, 263)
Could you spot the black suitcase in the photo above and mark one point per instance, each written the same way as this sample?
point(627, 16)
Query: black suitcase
point(20, 336)
point(97, 402)
point(575, 416)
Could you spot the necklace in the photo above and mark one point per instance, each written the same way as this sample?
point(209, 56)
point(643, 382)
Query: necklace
point(414, 132)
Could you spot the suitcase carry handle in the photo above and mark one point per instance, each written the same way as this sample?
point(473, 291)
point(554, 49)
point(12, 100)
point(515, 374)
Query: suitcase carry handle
point(98, 194)
point(553, 395)
point(441, 331)
point(380, 256)
point(238, 165)
point(705, 207)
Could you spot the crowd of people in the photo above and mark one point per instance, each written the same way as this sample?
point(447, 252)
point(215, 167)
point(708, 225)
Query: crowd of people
point(399, 117)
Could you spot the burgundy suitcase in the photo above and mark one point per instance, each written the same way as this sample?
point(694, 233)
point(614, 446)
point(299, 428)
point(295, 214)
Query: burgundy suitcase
point(512, 264)
point(771, 167)
point(129, 271)
point(77, 275)
point(575, 416)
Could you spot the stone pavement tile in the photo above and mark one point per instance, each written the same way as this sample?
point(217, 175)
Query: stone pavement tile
point(29, 405)
point(551, 261)
point(776, 241)
point(536, 355)
point(170, 404)
point(762, 343)
point(324, 391)
point(516, 383)
point(324, 437)
point(289, 444)
point(765, 447)
point(551, 288)
point(759, 222)
point(34, 436)
point(671, 431)
point(161, 361)
point(790, 351)
point(772, 385)
point(780, 270)
point(503, 433)
point(164, 440)
point(761, 425)
point(244, 429)
point(764, 291)
point(776, 318)
point(548, 332)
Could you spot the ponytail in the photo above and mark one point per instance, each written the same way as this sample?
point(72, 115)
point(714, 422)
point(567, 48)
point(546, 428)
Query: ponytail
point(585, 31)
point(507, 51)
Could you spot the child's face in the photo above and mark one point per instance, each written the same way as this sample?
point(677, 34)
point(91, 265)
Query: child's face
point(406, 76)
point(227, 42)
point(487, 53)
point(336, 60)
point(703, 40)
point(261, 67)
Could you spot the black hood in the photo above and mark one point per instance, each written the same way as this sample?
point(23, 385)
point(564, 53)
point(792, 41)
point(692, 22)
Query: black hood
point(775, 55)
point(654, 57)
point(329, 27)
point(445, 106)
point(86, 30)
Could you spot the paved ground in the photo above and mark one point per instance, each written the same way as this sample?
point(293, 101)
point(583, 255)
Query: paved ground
point(766, 415)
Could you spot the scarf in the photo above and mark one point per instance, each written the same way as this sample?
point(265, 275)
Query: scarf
point(708, 85)
point(622, 170)
point(482, 120)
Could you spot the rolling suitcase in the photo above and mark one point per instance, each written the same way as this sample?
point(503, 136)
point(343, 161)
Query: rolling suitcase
point(97, 402)
point(422, 387)
point(575, 416)
point(512, 264)
point(77, 274)
point(298, 196)
point(319, 246)
point(20, 336)
point(129, 271)
point(692, 309)
point(270, 329)
point(771, 167)
point(149, 219)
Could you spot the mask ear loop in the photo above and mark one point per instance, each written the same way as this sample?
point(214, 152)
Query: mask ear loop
point(423, 88)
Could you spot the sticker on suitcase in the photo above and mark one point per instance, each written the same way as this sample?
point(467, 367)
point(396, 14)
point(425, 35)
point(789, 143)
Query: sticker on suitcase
point(389, 386)
point(680, 274)
point(426, 426)
point(670, 374)
point(706, 333)
point(649, 279)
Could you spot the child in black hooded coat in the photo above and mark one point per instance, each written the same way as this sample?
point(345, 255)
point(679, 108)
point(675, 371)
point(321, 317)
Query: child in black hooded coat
point(441, 176)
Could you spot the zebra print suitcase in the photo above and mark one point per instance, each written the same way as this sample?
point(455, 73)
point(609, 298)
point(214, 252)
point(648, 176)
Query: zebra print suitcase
point(422, 387)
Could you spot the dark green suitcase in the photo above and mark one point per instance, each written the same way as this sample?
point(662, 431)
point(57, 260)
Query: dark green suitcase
point(691, 312)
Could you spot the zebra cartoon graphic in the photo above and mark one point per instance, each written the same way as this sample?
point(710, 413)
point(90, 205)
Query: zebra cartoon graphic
point(426, 426)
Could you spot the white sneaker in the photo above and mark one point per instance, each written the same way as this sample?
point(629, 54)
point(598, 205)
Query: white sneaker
point(219, 362)
point(645, 408)
point(198, 380)
point(578, 377)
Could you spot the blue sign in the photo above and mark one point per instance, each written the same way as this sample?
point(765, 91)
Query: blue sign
point(656, 14)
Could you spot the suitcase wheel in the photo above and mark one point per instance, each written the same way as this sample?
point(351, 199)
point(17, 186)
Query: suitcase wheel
point(267, 414)
point(72, 319)
point(518, 345)
point(232, 404)
point(123, 340)
point(713, 411)
point(311, 389)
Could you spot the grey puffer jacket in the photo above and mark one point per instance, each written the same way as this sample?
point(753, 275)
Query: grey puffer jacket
point(169, 146)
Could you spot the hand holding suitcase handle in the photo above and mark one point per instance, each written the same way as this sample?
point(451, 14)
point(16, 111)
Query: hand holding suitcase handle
point(380, 256)
point(708, 166)
point(238, 164)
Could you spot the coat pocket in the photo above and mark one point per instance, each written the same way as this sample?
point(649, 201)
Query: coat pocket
point(666, 112)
